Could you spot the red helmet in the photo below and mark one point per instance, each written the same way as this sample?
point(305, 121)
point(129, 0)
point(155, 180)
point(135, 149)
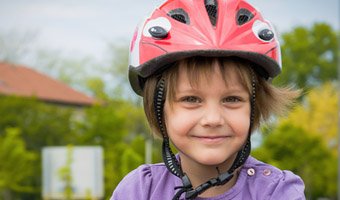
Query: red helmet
point(216, 28)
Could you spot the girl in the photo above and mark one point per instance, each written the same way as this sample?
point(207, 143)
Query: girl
point(203, 68)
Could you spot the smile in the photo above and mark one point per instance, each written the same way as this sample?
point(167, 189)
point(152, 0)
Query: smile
point(211, 139)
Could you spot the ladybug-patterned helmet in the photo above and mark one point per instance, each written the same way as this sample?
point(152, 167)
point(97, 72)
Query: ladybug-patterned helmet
point(214, 28)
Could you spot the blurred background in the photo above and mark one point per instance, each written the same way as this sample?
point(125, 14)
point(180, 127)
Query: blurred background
point(78, 50)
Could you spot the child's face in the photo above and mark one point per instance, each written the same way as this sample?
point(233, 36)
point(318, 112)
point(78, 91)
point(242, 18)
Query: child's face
point(208, 123)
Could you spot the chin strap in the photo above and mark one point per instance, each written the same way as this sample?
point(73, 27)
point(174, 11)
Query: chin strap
point(191, 193)
point(172, 163)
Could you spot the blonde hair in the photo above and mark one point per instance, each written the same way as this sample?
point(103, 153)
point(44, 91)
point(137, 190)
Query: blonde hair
point(270, 100)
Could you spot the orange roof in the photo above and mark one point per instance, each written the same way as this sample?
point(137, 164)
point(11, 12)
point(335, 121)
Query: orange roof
point(22, 81)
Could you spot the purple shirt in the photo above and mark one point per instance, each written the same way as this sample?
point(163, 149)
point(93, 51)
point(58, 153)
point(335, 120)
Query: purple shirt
point(256, 180)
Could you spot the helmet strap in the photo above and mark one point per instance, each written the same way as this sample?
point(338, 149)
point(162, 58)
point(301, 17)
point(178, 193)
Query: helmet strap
point(172, 163)
point(168, 156)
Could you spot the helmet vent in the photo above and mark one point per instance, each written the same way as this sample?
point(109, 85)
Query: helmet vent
point(179, 15)
point(243, 16)
point(211, 7)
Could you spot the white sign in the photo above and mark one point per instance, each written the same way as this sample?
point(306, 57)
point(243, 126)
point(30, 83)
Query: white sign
point(83, 167)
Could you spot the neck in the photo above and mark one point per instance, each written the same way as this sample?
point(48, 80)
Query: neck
point(199, 173)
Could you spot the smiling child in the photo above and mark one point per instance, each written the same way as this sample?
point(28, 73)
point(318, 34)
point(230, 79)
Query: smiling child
point(204, 70)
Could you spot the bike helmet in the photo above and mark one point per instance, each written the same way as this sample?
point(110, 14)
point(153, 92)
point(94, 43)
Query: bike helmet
point(217, 28)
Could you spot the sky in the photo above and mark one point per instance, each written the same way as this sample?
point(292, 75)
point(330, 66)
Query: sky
point(86, 27)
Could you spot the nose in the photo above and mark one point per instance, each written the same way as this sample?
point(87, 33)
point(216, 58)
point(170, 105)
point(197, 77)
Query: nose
point(212, 116)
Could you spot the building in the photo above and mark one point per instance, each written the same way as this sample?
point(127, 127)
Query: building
point(18, 80)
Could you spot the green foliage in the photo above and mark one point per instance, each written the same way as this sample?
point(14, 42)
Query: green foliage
point(290, 147)
point(301, 142)
point(65, 174)
point(306, 141)
point(318, 114)
point(309, 56)
point(16, 164)
point(130, 160)
point(97, 88)
point(110, 123)
point(120, 128)
point(41, 125)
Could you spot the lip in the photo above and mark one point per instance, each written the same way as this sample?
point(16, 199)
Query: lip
point(211, 139)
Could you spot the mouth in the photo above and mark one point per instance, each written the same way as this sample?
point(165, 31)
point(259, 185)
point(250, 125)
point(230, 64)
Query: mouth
point(211, 139)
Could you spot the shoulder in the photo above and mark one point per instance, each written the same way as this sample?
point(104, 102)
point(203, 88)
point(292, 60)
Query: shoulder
point(143, 181)
point(269, 182)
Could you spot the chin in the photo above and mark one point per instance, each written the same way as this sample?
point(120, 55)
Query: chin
point(212, 160)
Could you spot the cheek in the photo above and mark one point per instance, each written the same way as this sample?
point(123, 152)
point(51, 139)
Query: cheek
point(177, 122)
point(239, 122)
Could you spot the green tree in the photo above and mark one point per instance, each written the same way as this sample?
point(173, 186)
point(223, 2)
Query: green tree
point(118, 126)
point(65, 173)
point(16, 164)
point(309, 55)
point(96, 86)
point(41, 124)
point(131, 159)
point(118, 69)
point(290, 147)
point(305, 142)
point(318, 114)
